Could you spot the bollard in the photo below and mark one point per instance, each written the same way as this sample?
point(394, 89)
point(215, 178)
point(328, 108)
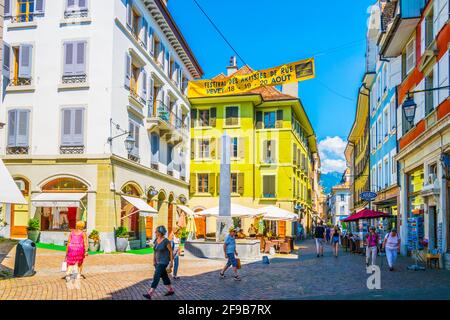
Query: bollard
point(265, 260)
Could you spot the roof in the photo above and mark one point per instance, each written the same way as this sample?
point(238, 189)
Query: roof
point(267, 93)
point(179, 36)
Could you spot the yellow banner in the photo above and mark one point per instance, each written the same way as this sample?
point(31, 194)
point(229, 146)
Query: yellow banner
point(238, 84)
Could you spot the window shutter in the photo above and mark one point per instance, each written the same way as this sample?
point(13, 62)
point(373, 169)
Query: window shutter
point(242, 145)
point(7, 8)
point(150, 94)
point(6, 60)
point(273, 149)
point(211, 183)
point(193, 183)
point(259, 119)
point(69, 65)
point(241, 183)
point(265, 150)
point(155, 148)
point(82, 4)
point(127, 78)
point(279, 123)
point(129, 13)
point(136, 139)
point(25, 55)
point(193, 118)
point(39, 6)
point(212, 117)
point(78, 119)
point(294, 153)
point(399, 123)
point(167, 63)
point(12, 127)
point(80, 63)
point(444, 66)
point(212, 148)
point(422, 36)
point(66, 128)
point(219, 147)
point(70, 5)
point(22, 128)
point(144, 84)
point(145, 35)
point(420, 100)
point(151, 45)
point(192, 149)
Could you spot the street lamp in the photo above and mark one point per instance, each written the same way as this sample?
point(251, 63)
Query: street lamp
point(129, 143)
point(409, 109)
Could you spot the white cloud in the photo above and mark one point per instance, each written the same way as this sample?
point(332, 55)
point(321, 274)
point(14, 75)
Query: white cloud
point(331, 150)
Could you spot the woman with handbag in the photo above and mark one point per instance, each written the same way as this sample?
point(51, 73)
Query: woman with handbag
point(163, 261)
point(77, 250)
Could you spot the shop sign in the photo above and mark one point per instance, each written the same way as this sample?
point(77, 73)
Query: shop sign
point(238, 84)
point(368, 195)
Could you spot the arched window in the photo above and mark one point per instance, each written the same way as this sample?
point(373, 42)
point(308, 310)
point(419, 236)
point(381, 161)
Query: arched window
point(64, 185)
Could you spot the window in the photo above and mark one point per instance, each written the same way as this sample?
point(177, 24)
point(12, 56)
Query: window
point(72, 127)
point(155, 140)
point(342, 198)
point(234, 147)
point(76, 9)
point(429, 95)
point(134, 133)
point(379, 130)
point(234, 183)
point(203, 118)
point(386, 121)
point(74, 69)
point(386, 172)
point(380, 176)
point(17, 64)
point(203, 149)
point(269, 151)
point(202, 182)
point(232, 116)
point(26, 9)
point(393, 113)
point(410, 56)
point(269, 120)
point(18, 129)
point(269, 186)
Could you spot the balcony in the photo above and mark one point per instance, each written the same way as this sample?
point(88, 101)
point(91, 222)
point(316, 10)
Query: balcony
point(76, 14)
point(400, 19)
point(170, 126)
point(16, 150)
point(71, 149)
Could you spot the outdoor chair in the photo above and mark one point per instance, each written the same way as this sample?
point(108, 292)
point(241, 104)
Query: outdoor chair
point(267, 246)
point(285, 248)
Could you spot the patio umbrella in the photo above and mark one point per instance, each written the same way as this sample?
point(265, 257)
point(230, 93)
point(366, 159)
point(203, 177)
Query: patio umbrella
point(191, 229)
point(9, 192)
point(237, 211)
point(366, 214)
point(277, 214)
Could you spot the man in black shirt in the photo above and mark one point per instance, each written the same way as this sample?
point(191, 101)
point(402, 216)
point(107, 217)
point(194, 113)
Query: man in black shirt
point(319, 235)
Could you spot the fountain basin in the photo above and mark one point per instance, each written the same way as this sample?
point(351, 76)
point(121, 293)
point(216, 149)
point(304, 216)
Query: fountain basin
point(247, 249)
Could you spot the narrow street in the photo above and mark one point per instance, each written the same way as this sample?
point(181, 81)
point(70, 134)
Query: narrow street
point(127, 276)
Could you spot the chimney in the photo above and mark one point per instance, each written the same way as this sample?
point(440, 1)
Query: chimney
point(290, 89)
point(232, 68)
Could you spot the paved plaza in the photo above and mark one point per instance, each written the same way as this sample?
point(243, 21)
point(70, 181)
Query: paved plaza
point(128, 276)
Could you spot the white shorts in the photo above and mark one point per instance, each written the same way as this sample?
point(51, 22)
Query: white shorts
point(320, 242)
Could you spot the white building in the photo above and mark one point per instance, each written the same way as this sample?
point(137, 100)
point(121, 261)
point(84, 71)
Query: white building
point(339, 200)
point(77, 73)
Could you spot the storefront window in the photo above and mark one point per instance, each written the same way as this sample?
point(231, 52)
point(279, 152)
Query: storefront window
point(129, 214)
point(415, 185)
point(64, 184)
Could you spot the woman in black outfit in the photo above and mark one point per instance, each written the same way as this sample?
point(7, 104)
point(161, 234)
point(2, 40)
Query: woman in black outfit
point(162, 260)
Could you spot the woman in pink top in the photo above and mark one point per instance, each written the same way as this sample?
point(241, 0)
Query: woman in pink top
point(371, 246)
point(77, 249)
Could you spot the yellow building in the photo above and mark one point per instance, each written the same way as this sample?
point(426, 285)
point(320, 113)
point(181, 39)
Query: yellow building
point(272, 156)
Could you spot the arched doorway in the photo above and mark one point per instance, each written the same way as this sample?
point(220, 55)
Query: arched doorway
point(129, 217)
point(20, 212)
point(149, 221)
point(64, 216)
point(200, 225)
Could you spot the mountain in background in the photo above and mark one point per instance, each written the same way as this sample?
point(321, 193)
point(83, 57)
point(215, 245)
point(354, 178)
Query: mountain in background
point(329, 180)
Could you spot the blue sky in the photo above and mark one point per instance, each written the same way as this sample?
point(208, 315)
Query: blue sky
point(267, 34)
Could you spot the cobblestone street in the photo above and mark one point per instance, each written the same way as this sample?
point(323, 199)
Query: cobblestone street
point(127, 276)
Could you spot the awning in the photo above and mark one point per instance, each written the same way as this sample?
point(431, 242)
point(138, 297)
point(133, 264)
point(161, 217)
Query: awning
point(187, 210)
point(367, 214)
point(277, 214)
point(142, 207)
point(9, 192)
point(52, 200)
point(236, 210)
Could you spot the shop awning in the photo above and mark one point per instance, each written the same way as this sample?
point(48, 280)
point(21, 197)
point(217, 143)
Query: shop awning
point(9, 192)
point(236, 210)
point(52, 200)
point(142, 207)
point(277, 214)
point(186, 210)
point(367, 214)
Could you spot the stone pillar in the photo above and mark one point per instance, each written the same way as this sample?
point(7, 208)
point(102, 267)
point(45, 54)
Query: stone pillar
point(402, 210)
point(224, 221)
point(90, 212)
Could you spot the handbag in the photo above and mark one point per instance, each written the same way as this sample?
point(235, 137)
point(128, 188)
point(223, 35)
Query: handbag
point(238, 261)
point(64, 266)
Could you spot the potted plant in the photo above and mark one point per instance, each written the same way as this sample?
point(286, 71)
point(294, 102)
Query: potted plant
point(94, 241)
point(33, 229)
point(122, 239)
point(183, 235)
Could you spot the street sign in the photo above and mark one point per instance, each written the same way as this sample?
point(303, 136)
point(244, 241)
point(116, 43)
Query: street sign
point(368, 195)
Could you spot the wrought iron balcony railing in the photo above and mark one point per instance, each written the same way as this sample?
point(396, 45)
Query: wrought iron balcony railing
point(17, 150)
point(75, 79)
point(19, 82)
point(71, 149)
point(163, 113)
point(76, 14)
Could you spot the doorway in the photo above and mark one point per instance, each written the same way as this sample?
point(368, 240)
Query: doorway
point(432, 228)
point(19, 212)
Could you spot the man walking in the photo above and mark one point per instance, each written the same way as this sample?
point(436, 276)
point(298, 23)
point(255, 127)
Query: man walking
point(319, 235)
point(229, 248)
